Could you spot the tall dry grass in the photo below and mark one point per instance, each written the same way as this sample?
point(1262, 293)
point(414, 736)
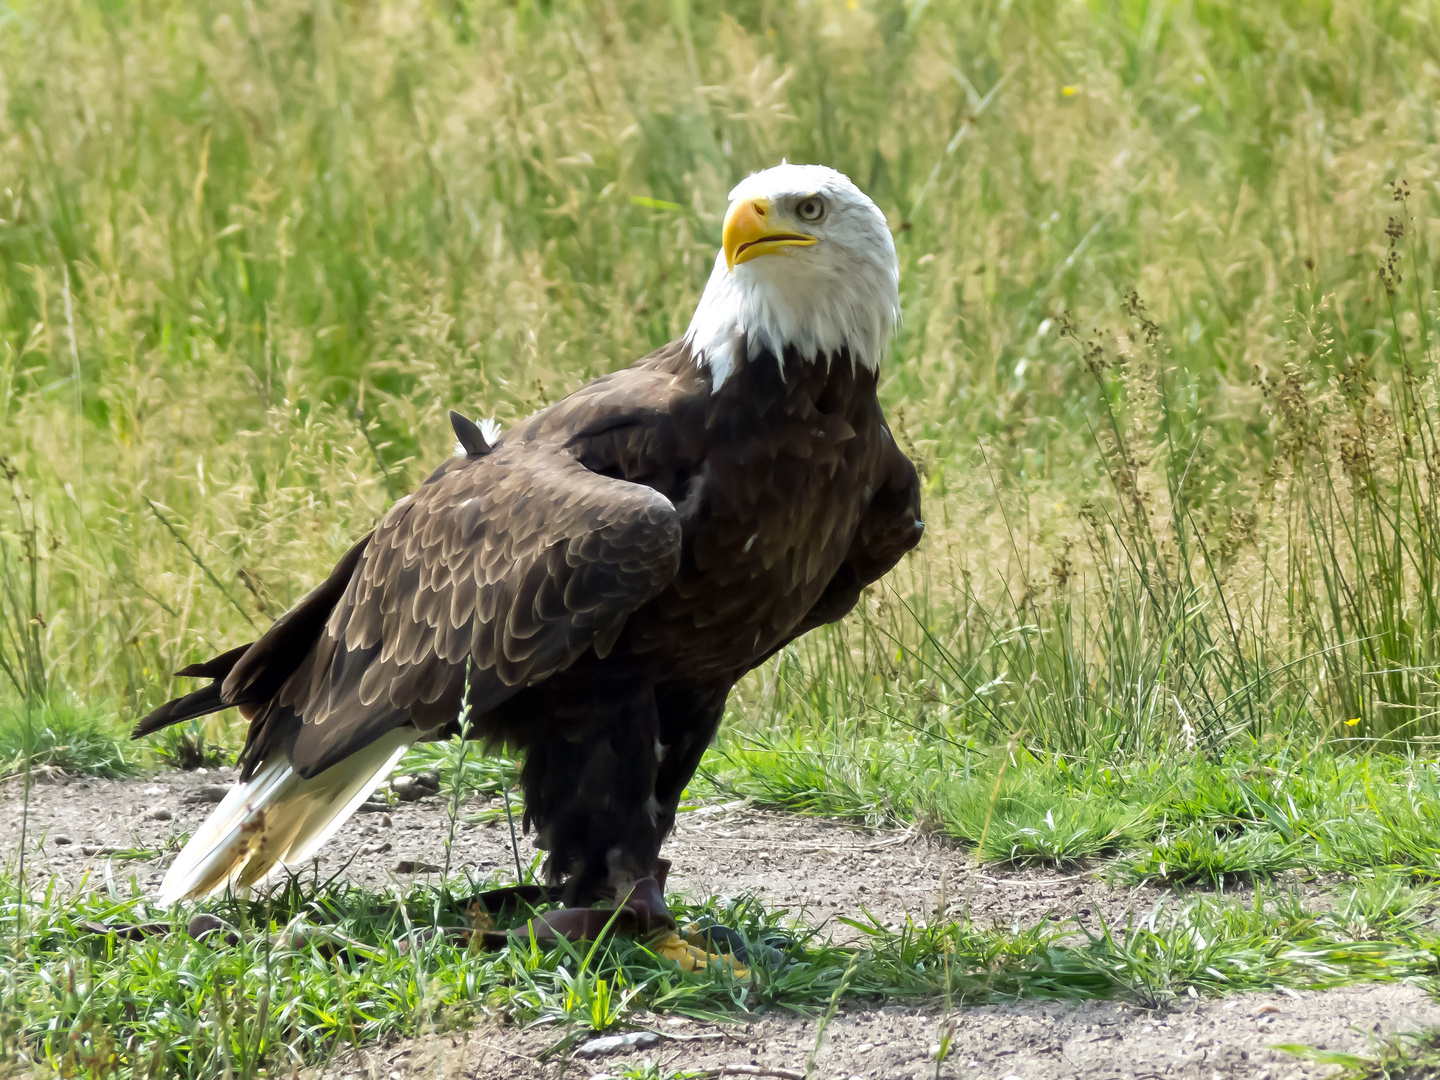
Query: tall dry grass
point(1176, 433)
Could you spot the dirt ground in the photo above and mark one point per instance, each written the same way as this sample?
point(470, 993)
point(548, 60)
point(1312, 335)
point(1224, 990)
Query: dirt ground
point(87, 832)
point(1200, 1040)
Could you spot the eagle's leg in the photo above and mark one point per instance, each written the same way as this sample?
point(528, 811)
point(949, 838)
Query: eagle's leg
point(689, 718)
point(590, 790)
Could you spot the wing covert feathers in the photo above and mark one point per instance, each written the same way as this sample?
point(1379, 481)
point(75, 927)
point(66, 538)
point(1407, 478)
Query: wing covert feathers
point(277, 819)
point(516, 557)
point(519, 560)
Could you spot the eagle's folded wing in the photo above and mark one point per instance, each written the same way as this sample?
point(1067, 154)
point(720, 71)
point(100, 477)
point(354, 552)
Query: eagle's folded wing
point(520, 560)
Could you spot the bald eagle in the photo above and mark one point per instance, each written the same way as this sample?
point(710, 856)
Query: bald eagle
point(588, 586)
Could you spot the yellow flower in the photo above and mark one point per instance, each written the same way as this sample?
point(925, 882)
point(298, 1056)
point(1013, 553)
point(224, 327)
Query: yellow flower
point(1352, 723)
point(1069, 91)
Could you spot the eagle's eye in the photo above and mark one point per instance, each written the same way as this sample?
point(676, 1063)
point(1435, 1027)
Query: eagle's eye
point(811, 209)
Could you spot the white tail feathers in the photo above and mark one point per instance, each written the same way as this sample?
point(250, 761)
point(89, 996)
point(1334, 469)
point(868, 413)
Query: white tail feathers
point(277, 819)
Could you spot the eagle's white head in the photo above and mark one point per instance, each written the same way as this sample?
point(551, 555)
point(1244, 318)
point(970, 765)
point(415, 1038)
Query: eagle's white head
point(807, 263)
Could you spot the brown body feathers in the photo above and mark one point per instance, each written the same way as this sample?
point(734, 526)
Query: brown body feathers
point(609, 567)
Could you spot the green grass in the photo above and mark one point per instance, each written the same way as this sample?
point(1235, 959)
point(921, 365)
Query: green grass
point(1178, 819)
point(250, 255)
point(319, 968)
point(1410, 1056)
point(62, 734)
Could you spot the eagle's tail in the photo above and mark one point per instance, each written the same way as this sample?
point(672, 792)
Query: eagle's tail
point(275, 818)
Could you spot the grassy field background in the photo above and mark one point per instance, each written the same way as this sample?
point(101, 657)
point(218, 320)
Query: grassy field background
point(251, 253)
point(1167, 364)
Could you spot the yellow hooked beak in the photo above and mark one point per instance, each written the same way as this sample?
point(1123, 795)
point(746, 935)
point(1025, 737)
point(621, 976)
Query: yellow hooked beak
point(751, 230)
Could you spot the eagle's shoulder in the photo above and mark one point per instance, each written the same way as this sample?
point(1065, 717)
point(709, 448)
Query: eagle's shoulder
point(645, 424)
point(664, 383)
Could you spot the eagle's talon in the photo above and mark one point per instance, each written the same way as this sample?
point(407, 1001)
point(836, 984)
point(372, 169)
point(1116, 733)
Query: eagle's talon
point(718, 938)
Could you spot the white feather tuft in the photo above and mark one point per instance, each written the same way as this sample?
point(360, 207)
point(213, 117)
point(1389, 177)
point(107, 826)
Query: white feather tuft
point(276, 819)
point(490, 429)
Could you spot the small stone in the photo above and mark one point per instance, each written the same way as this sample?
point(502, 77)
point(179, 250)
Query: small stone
point(102, 849)
point(158, 813)
point(61, 840)
point(413, 866)
point(210, 793)
point(385, 821)
point(609, 1044)
point(375, 848)
point(154, 789)
point(411, 788)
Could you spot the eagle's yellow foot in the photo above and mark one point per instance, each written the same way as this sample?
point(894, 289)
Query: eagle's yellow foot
point(691, 954)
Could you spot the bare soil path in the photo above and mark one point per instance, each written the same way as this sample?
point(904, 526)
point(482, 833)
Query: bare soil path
point(87, 830)
point(84, 832)
point(1200, 1040)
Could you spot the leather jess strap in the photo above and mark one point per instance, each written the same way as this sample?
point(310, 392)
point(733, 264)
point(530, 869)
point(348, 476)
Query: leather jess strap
point(641, 913)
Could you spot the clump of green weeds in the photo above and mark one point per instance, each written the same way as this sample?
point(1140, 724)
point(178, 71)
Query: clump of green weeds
point(1408, 1056)
point(60, 733)
point(1261, 811)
